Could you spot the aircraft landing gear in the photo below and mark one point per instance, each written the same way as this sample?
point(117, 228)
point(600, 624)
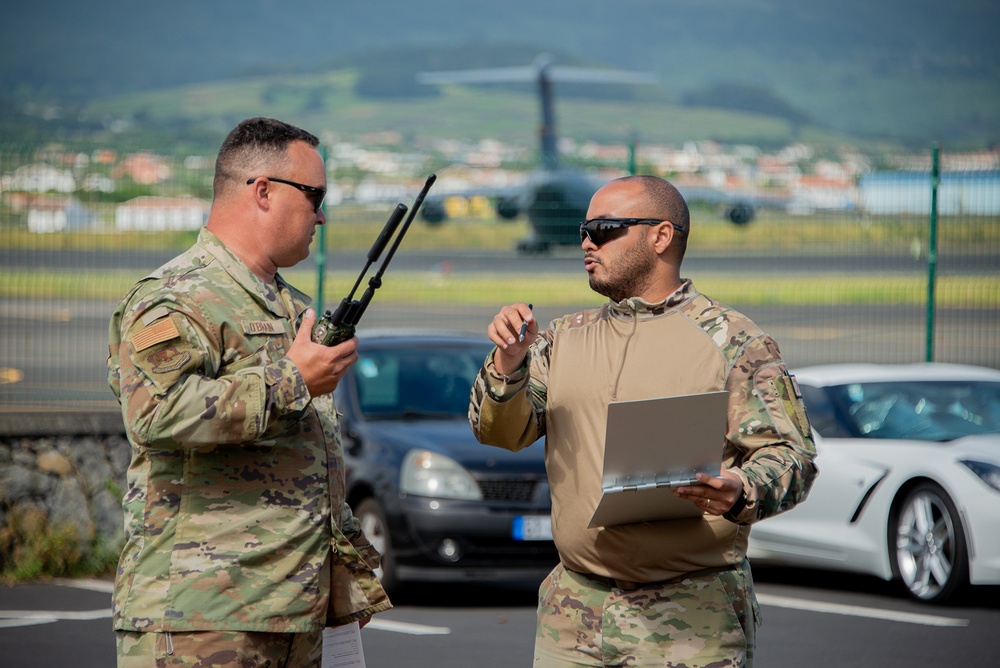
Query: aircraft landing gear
point(532, 247)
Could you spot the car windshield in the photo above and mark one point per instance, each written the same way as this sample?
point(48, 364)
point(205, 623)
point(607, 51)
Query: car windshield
point(920, 410)
point(417, 381)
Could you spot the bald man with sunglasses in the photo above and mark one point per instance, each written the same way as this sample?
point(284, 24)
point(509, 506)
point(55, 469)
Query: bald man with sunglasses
point(240, 546)
point(664, 593)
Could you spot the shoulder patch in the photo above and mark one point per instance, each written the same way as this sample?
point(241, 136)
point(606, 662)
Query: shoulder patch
point(164, 330)
point(155, 314)
point(168, 359)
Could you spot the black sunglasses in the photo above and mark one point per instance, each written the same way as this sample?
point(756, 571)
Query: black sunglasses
point(602, 230)
point(315, 195)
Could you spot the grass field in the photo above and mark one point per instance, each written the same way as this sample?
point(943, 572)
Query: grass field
point(771, 236)
point(355, 228)
point(485, 289)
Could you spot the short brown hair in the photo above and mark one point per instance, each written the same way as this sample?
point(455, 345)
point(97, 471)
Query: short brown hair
point(254, 144)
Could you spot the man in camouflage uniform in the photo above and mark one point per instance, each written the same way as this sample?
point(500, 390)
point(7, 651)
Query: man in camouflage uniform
point(240, 546)
point(663, 593)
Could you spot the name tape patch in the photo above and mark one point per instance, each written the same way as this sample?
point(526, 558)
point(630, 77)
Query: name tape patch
point(262, 327)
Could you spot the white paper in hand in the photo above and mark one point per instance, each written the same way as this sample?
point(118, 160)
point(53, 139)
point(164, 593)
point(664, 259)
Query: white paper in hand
point(342, 647)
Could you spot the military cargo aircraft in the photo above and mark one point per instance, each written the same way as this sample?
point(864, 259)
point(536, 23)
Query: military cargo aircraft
point(555, 198)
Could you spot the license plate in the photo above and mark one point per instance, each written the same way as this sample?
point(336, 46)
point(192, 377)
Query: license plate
point(532, 527)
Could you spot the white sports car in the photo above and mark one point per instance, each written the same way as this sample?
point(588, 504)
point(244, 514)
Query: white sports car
point(909, 482)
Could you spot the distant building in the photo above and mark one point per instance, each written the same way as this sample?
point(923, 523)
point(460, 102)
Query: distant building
point(54, 213)
point(161, 213)
point(812, 193)
point(39, 178)
point(144, 168)
point(970, 193)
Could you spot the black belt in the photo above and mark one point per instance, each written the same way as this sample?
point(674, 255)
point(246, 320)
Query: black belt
point(629, 585)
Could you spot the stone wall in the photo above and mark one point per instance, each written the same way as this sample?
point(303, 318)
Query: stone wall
point(69, 466)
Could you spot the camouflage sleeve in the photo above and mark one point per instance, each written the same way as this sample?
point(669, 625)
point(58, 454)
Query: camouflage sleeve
point(769, 442)
point(351, 527)
point(176, 389)
point(509, 412)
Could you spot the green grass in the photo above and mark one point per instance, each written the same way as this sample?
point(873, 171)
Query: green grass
point(354, 228)
point(31, 549)
point(769, 238)
point(487, 289)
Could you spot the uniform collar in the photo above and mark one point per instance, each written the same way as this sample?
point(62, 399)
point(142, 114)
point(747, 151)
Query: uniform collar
point(639, 307)
point(269, 295)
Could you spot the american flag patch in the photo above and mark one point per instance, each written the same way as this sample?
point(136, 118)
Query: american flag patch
point(163, 330)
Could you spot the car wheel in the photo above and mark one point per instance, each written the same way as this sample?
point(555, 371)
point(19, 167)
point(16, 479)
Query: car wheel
point(927, 544)
point(376, 529)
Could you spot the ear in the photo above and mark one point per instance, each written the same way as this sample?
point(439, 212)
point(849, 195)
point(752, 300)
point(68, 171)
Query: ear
point(262, 193)
point(663, 236)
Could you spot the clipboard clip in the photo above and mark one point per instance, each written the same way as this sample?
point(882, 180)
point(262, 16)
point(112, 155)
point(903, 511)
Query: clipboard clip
point(673, 479)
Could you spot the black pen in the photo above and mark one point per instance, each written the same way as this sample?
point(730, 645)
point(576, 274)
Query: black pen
point(524, 328)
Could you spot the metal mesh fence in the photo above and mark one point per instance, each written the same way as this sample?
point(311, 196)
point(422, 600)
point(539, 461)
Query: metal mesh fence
point(833, 284)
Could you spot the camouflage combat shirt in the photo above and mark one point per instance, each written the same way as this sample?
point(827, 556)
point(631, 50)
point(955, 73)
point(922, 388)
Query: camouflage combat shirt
point(633, 350)
point(234, 513)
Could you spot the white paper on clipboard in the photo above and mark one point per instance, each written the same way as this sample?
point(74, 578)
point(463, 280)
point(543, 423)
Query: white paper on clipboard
point(653, 446)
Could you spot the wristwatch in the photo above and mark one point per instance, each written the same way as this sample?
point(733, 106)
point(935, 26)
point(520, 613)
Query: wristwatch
point(737, 508)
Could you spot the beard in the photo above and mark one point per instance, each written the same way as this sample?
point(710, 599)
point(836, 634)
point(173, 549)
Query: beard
point(630, 274)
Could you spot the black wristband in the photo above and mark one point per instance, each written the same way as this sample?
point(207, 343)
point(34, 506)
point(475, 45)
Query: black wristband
point(737, 508)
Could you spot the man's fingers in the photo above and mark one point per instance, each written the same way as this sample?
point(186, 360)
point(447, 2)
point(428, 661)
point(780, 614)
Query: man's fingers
point(505, 330)
point(308, 320)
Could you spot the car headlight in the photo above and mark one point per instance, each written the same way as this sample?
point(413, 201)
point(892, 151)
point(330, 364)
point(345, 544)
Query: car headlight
point(427, 473)
point(988, 473)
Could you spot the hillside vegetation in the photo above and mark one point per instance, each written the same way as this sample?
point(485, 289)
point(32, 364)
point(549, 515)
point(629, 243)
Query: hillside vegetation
point(330, 102)
point(914, 70)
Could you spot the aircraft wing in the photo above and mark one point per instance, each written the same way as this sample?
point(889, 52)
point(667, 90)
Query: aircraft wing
point(487, 75)
point(590, 75)
point(529, 74)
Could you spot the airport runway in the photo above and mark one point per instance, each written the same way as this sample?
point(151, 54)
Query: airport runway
point(59, 348)
point(53, 352)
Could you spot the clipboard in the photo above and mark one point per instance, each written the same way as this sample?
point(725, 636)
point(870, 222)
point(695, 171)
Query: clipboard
point(651, 447)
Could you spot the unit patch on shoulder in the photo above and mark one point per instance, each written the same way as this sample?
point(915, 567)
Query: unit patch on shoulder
point(164, 330)
point(169, 359)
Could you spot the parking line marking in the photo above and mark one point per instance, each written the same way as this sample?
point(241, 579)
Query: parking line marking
point(14, 623)
point(104, 586)
point(45, 616)
point(10, 375)
point(23, 618)
point(12, 618)
point(859, 611)
point(406, 627)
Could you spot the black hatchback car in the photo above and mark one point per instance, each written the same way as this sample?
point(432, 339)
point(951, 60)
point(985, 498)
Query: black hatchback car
point(438, 505)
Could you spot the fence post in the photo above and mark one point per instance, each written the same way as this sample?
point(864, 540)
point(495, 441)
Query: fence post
point(932, 252)
point(321, 250)
point(631, 155)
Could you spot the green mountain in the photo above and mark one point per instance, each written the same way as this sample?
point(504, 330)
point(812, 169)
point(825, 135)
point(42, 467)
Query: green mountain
point(913, 71)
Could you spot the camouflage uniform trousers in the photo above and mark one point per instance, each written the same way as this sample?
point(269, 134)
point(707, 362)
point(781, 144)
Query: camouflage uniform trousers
point(704, 619)
point(229, 649)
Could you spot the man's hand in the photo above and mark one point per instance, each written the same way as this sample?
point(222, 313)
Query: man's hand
point(321, 366)
point(714, 496)
point(505, 330)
